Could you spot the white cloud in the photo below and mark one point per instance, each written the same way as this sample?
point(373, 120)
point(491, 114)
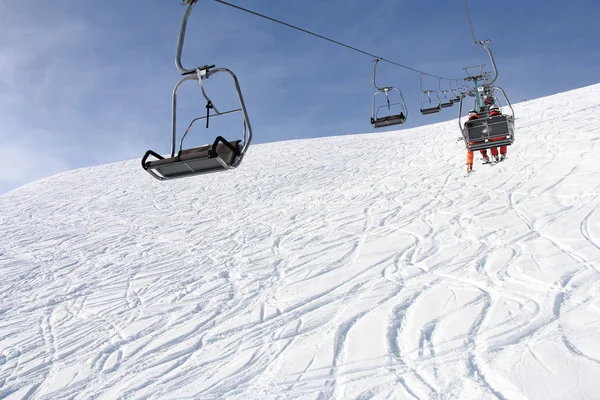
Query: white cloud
point(25, 160)
point(63, 104)
point(35, 83)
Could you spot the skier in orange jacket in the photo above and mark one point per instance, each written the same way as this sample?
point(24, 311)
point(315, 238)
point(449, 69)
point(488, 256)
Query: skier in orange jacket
point(473, 115)
point(494, 110)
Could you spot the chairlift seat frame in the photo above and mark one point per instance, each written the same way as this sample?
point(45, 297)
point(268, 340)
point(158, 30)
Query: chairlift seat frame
point(445, 93)
point(431, 110)
point(388, 120)
point(222, 154)
point(195, 161)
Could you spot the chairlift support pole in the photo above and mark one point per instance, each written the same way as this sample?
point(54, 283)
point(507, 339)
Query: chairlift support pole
point(385, 89)
point(484, 44)
point(181, 39)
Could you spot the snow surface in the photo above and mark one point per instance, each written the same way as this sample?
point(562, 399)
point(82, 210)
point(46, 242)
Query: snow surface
point(354, 267)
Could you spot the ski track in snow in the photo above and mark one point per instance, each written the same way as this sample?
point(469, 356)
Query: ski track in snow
point(340, 267)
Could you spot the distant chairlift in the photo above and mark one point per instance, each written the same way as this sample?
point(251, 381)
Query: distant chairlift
point(395, 118)
point(457, 93)
point(446, 100)
point(488, 132)
point(428, 106)
point(487, 99)
point(463, 91)
point(221, 154)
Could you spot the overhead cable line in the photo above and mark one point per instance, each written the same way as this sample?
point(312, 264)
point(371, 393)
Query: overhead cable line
point(328, 39)
point(472, 30)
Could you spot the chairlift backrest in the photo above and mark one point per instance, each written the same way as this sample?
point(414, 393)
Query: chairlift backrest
point(488, 132)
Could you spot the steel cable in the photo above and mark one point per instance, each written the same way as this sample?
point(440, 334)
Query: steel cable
point(328, 39)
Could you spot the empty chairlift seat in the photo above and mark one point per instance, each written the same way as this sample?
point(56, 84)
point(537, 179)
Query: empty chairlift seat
point(398, 111)
point(431, 110)
point(445, 97)
point(388, 121)
point(427, 105)
point(221, 155)
point(447, 104)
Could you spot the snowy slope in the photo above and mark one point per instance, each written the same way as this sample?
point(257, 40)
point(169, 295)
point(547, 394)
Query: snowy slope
point(351, 267)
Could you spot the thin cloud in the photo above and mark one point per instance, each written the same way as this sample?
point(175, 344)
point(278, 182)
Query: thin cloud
point(28, 80)
point(26, 159)
point(61, 104)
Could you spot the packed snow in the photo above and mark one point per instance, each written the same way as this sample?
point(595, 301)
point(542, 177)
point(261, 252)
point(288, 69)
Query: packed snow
point(349, 267)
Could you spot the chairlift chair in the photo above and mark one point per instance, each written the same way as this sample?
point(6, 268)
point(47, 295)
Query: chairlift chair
point(444, 95)
point(457, 93)
point(220, 155)
point(431, 109)
point(392, 119)
point(488, 132)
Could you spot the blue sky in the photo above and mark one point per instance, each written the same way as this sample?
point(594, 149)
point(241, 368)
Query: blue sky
point(85, 83)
